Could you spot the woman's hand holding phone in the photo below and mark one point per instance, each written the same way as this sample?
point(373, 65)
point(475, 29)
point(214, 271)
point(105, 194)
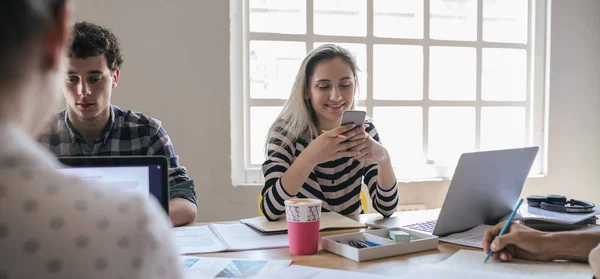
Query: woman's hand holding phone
point(370, 150)
point(329, 146)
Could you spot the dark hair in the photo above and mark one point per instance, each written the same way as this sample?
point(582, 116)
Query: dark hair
point(91, 40)
point(22, 22)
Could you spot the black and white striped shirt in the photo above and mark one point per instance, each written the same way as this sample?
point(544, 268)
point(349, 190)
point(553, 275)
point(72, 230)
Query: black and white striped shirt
point(337, 183)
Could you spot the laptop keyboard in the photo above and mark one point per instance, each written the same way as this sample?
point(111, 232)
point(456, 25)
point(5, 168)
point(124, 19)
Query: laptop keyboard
point(426, 226)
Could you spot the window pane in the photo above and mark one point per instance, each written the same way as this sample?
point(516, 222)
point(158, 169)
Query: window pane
point(452, 73)
point(278, 16)
point(340, 17)
point(359, 51)
point(397, 72)
point(261, 119)
point(273, 68)
point(401, 131)
point(502, 127)
point(505, 21)
point(398, 18)
point(453, 20)
point(504, 74)
point(451, 133)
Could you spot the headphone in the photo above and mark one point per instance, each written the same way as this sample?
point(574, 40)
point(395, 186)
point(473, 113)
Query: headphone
point(560, 203)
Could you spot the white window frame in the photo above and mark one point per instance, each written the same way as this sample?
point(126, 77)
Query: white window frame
point(537, 47)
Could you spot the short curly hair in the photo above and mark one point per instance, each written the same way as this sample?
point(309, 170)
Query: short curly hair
point(91, 40)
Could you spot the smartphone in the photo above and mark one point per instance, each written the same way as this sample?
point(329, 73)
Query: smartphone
point(356, 117)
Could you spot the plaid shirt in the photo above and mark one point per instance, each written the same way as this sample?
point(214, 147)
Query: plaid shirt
point(127, 134)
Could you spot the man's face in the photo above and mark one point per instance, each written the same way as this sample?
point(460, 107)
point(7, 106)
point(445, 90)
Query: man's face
point(88, 87)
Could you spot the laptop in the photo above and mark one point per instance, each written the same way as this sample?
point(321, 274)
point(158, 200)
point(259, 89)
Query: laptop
point(146, 175)
point(484, 188)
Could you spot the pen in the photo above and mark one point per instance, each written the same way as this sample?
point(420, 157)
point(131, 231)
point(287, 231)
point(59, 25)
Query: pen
point(373, 244)
point(339, 136)
point(357, 244)
point(353, 244)
point(506, 225)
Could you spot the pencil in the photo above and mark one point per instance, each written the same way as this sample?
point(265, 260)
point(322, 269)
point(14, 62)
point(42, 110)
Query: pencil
point(339, 136)
point(506, 225)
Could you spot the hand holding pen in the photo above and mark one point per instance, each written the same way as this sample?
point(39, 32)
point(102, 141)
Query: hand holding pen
point(490, 234)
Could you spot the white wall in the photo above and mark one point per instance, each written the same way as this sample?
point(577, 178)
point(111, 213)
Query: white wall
point(177, 70)
point(574, 140)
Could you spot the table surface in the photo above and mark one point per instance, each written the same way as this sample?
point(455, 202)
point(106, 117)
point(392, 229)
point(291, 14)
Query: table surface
point(397, 265)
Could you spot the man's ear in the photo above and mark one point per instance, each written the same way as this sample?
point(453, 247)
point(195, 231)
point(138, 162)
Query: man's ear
point(58, 37)
point(115, 78)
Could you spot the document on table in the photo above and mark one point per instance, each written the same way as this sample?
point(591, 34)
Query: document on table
point(466, 264)
point(534, 213)
point(197, 239)
point(224, 237)
point(305, 272)
point(471, 238)
point(241, 237)
point(205, 267)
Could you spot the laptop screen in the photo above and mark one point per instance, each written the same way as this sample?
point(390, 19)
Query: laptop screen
point(136, 175)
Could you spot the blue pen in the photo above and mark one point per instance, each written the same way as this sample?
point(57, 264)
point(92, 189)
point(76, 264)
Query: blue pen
point(506, 225)
point(373, 244)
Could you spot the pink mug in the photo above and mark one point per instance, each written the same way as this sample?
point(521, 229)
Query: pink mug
point(303, 220)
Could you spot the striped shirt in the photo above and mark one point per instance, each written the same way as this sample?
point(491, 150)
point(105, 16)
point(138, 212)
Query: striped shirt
point(337, 183)
point(128, 133)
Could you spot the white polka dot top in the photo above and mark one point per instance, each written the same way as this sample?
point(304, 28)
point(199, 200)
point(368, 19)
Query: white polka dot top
point(53, 226)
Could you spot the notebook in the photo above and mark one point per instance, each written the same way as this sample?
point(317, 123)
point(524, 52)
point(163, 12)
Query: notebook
point(224, 237)
point(527, 213)
point(329, 220)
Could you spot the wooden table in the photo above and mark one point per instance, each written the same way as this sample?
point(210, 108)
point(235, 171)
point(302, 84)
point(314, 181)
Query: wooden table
point(398, 265)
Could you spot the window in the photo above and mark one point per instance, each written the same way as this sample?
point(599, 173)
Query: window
point(438, 77)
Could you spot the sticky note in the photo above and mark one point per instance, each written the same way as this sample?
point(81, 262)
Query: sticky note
point(399, 236)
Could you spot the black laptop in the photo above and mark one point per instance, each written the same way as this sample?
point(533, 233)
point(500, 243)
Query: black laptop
point(146, 175)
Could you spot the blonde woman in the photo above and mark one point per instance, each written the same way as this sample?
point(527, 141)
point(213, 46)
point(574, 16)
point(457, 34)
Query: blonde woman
point(305, 155)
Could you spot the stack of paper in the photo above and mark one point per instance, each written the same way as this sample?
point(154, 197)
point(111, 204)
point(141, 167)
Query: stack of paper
point(305, 272)
point(204, 267)
point(471, 238)
point(329, 220)
point(469, 264)
point(224, 237)
point(538, 214)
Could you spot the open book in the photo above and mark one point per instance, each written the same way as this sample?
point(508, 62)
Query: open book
point(469, 264)
point(224, 237)
point(329, 220)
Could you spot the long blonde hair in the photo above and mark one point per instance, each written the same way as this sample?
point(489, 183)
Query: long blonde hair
point(298, 118)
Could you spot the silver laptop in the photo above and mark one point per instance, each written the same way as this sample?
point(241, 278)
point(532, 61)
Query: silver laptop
point(484, 189)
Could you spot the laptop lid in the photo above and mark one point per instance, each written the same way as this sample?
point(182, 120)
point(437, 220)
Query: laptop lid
point(147, 175)
point(485, 187)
